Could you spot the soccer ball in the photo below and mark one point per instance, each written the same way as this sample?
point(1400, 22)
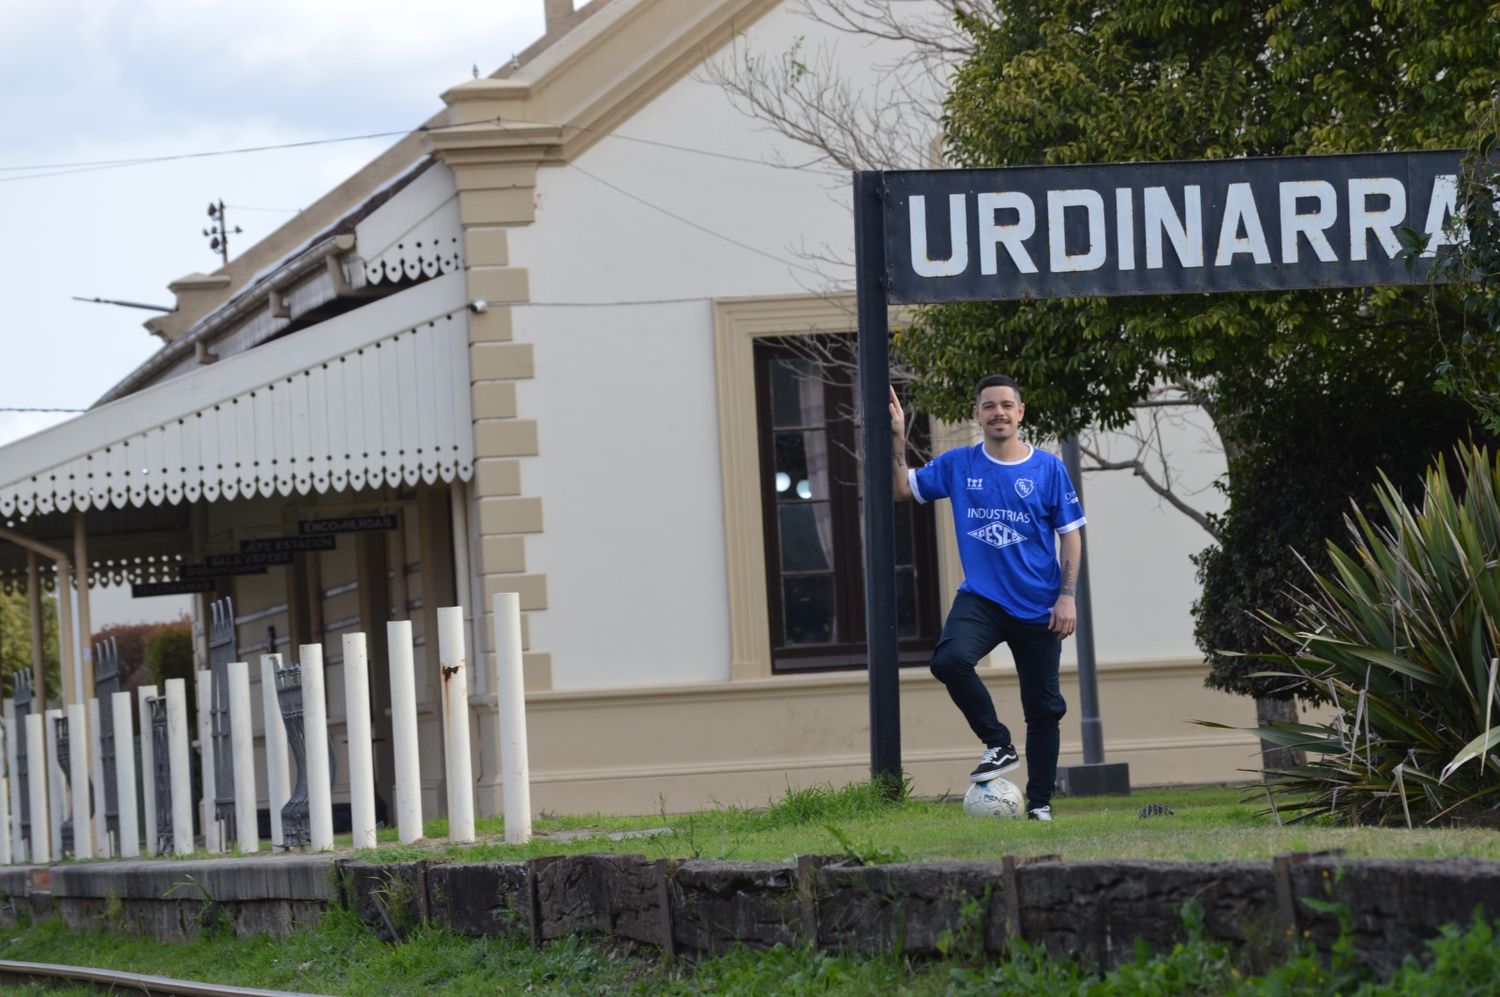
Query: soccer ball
point(996, 798)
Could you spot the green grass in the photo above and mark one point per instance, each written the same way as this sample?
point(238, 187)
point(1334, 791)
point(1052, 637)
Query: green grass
point(341, 957)
point(1214, 823)
point(1211, 823)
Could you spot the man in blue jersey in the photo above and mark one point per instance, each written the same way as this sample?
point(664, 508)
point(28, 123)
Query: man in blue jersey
point(1009, 502)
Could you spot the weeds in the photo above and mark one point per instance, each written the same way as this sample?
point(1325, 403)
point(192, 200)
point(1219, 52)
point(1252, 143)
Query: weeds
point(342, 956)
point(866, 852)
point(211, 920)
point(966, 943)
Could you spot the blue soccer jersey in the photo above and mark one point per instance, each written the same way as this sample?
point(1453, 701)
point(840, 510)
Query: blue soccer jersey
point(1006, 515)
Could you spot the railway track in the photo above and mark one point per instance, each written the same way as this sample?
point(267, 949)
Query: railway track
point(116, 982)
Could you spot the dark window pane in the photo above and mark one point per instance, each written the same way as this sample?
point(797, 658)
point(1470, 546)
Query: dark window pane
point(806, 537)
point(801, 466)
point(906, 603)
point(796, 393)
point(905, 551)
point(808, 608)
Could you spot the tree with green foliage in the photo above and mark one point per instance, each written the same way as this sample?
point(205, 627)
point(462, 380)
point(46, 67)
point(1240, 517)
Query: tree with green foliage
point(15, 639)
point(1471, 368)
point(1059, 82)
point(132, 641)
point(169, 655)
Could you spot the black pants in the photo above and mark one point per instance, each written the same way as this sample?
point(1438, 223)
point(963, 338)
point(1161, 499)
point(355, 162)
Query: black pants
point(975, 627)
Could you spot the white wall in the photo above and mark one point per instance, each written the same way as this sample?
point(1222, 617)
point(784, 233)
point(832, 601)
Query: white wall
point(624, 396)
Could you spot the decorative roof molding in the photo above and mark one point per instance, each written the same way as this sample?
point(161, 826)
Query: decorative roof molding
point(416, 234)
point(375, 397)
point(589, 80)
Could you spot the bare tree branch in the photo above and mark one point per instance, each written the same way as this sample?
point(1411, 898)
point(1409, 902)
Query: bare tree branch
point(1138, 467)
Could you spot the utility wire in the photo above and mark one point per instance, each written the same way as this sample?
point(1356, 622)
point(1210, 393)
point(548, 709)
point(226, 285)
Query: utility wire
point(282, 211)
point(203, 154)
point(36, 171)
point(694, 225)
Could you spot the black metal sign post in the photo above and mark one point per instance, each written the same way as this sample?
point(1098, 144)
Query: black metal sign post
point(880, 514)
point(1101, 231)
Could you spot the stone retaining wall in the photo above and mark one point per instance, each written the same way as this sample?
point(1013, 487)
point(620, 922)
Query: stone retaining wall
point(1093, 911)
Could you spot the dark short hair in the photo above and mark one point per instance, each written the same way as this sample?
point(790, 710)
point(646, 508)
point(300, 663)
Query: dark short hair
point(996, 381)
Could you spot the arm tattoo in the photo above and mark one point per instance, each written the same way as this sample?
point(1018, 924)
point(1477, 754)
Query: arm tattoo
point(1069, 578)
point(899, 457)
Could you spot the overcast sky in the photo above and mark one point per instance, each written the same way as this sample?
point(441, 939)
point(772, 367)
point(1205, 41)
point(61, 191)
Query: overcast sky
point(89, 80)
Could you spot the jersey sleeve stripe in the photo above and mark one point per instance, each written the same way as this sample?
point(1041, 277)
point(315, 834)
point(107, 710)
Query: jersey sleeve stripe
point(1076, 524)
point(916, 492)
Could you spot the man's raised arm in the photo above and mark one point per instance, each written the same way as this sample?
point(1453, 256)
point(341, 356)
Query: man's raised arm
point(900, 486)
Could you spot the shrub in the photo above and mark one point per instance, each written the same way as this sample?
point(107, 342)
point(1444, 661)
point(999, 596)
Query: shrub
point(169, 655)
point(1403, 633)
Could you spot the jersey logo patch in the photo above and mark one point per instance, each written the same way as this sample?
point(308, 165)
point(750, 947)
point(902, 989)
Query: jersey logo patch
point(1024, 487)
point(997, 535)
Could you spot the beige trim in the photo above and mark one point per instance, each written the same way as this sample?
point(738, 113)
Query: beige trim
point(747, 742)
point(500, 361)
point(496, 192)
point(505, 438)
point(738, 322)
point(509, 515)
point(589, 81)
point(497, 477)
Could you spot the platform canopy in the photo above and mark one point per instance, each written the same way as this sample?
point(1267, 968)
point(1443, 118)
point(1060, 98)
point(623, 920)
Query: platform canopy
point(376, 396)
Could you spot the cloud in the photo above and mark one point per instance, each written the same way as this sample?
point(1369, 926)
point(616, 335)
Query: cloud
point(109, 79)
point(107, 70)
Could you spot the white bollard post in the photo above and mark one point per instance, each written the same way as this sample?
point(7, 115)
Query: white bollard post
point(57, 803)
point(78, 776)
point(404, 731)
point(315, 734)
point(129, 845)
point(242, 752)
point(177, 760)
point(208, 816)
point(278, 772)
point(102, 848)
point(456, 724)
point(15, 734)
point(36, 775)
point(357, 725)
point(6, 737)
point(510, 690)
point(148, 764)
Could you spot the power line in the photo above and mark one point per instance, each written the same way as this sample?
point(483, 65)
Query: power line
point(37, 171)
point(89, 166)
point(808, 167)
point(7, 408)
point(246, 207)
point(62, 169)
point(692, 224)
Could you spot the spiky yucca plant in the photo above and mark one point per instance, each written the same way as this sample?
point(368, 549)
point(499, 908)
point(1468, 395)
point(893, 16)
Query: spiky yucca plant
point(1404, 635)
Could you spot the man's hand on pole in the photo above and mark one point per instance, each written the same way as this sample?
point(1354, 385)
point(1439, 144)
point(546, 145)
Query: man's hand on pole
point(898, 421)
point(900, 487)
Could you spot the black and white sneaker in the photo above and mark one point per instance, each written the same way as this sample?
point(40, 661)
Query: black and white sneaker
point(1039, 813)
point(995, 763)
